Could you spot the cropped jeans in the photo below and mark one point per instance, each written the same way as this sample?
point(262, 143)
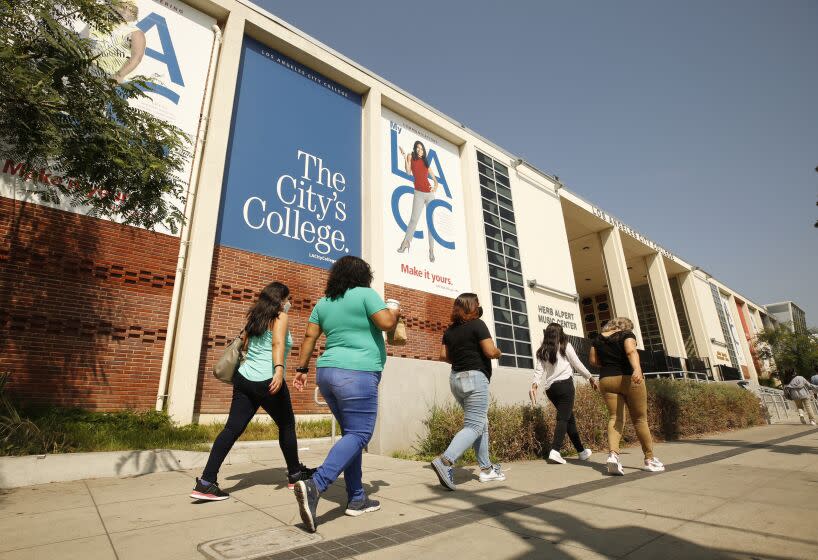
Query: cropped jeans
point(471, 390)
point(352, 397)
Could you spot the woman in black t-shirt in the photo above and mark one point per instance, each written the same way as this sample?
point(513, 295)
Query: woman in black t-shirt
point(468, 346)
point(622, 384)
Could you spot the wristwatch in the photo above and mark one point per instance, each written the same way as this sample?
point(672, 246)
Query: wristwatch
point(304, 369)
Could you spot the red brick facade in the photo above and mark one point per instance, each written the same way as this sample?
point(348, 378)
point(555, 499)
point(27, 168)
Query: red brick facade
point(83, 307)
point(236, 279)
point(427, 316)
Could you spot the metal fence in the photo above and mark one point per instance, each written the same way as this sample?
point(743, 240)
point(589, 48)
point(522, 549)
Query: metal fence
point(780, 409)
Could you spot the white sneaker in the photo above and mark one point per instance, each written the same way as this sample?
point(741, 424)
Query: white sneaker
point(614, 466)
point(812, 422)
point(555, 457)
point(585, 454)
point(654, 465)
point(495, 474)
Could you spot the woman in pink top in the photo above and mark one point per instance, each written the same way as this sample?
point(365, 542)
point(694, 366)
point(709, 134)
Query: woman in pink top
point(417, 165)
point(554, 369)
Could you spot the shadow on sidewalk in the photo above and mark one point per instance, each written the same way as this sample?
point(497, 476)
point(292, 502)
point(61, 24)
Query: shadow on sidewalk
point(529, 518)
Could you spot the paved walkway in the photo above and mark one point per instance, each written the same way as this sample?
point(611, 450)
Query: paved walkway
point(745, 494)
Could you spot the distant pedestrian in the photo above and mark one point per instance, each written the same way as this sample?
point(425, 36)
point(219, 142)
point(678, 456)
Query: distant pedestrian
point(554, 370)
point(622, 384)
point(468, 346)
point(353, 316)
point(799, 389)
point(259, 382)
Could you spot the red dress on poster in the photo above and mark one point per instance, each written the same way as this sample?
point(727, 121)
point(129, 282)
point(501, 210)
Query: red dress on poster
point(420, 172)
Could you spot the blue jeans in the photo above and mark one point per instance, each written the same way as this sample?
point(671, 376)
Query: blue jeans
point(471, 390)
point(352, 397)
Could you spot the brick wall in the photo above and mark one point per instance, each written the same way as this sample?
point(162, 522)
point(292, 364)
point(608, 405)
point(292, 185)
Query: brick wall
point(83, 307)
point(236, 280)
point(426, 316)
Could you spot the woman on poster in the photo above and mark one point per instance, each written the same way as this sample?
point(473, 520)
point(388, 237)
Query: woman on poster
point(121, 51)
point(417, 165)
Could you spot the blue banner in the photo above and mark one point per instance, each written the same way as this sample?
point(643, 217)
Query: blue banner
point(292, 185)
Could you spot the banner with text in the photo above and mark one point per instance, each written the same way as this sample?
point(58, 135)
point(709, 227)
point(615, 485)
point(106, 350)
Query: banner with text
point(293, 184)
point(175, 55)
point(425, 229)
point(553, 309)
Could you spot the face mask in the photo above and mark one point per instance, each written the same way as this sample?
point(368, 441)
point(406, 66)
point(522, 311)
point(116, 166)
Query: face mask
point(287, 306)
point(479, 311)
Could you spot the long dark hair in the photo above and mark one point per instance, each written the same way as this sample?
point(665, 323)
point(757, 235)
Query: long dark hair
point(266, 308)
point(425, 157)
point(465, 308)
point(553, 341)
point(347, 272)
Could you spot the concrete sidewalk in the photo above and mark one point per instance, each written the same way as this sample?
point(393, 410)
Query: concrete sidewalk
point(745, 494)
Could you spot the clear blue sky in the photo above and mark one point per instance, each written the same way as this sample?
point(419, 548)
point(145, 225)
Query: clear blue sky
point(695, 122)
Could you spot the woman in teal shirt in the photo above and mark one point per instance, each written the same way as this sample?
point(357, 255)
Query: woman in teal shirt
point(353, 316)
point(259, 382)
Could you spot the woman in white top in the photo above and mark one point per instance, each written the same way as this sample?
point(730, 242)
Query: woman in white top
point(554, 369)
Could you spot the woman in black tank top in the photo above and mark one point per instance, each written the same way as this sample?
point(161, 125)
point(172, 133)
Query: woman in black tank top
point(622, 385)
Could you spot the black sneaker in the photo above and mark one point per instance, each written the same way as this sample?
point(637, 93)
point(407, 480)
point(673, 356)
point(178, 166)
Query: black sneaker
point(304, 474)
point(362, 506)
point(306, 494)
point(209, 492)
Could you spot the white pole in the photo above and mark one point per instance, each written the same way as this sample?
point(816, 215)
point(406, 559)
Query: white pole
point(184, 239)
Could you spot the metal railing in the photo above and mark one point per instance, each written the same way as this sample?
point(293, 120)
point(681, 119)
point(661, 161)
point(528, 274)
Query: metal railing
point(779, 409)
point(679, 375)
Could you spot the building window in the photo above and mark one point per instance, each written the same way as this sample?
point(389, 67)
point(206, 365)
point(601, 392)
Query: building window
point(681, 315)
point(648, 322)
point(505, 268)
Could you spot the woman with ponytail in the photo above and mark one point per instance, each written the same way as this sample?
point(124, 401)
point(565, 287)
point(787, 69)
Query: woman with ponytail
point(554, 369)
point(259, 382)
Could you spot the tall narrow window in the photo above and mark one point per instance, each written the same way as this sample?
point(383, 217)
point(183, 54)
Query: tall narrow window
point(681, 314)
point(648, 321)
point(505, 268)
point(725, 326)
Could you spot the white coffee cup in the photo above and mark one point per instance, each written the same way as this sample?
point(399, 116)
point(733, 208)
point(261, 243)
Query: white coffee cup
point(392, 304)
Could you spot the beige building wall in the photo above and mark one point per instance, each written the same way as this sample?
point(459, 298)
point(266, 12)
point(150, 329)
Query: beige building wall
point(409, 386)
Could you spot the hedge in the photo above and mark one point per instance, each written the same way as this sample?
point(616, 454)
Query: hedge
point(676, 410)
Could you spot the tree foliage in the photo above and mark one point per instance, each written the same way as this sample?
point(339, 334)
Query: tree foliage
point(71, 125)
point(792, 353)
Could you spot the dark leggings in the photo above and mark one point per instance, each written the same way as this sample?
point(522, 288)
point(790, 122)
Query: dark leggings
point(561, 394)
point(247, 397)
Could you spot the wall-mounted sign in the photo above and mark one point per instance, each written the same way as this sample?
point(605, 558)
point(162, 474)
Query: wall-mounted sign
point(293, 181)
point(551, 309)
point(623, 227)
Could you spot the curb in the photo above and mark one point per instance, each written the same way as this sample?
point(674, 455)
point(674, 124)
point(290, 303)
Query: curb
point(29, 470)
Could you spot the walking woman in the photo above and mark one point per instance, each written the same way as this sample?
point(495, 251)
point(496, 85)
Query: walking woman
point(417, 165)
point(259, 382)
point(558, 361)
point(352, 316)
point(622, 384)
point(468, 346)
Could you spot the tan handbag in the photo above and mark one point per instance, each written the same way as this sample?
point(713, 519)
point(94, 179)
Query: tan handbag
point(231, 359)
point(397, 336)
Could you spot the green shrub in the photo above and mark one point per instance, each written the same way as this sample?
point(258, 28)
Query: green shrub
point(675, 410)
